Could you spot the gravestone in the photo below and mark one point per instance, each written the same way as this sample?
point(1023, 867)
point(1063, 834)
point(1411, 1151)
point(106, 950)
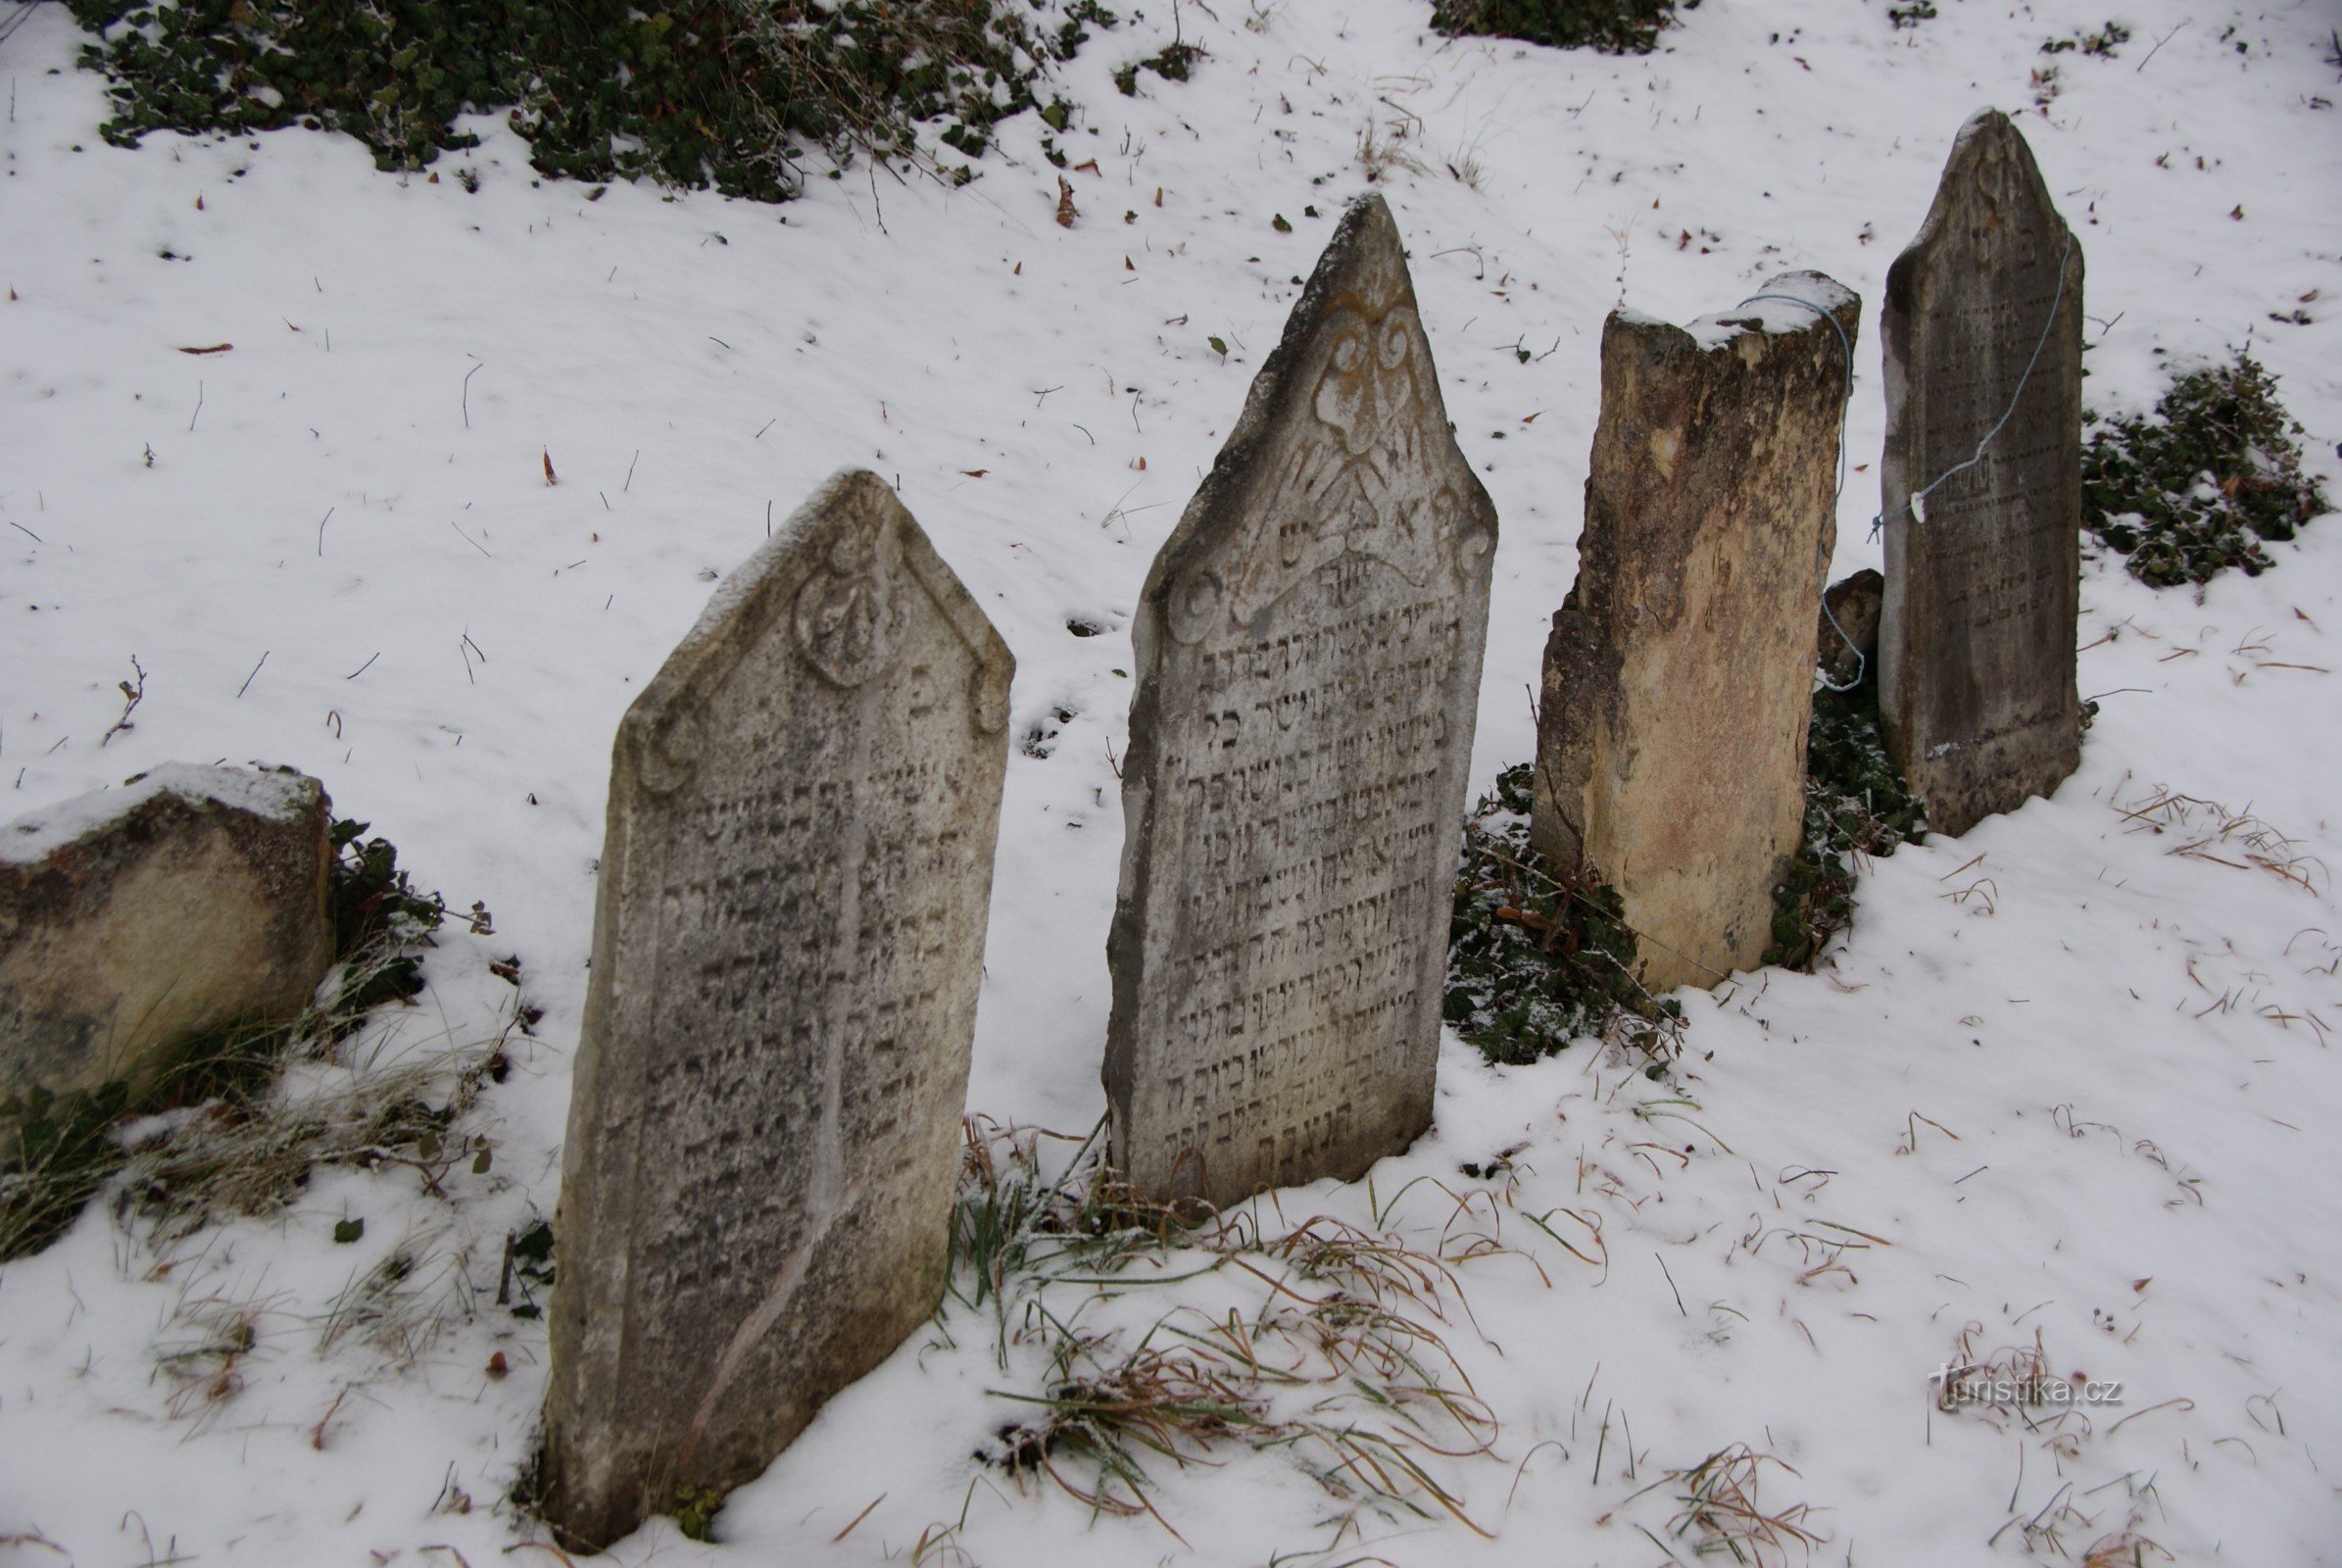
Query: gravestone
point(1977, 641)
point(1847, 638)
point(1677, 679)
point(135, 921)
point(1308, 649)
point(763, 1136)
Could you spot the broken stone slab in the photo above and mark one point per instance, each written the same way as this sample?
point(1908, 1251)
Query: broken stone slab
point(1677, 679)
point(1847, 638)
point(788, 939)
point(1308, 647)
point(137, 921)
point(1982, 322)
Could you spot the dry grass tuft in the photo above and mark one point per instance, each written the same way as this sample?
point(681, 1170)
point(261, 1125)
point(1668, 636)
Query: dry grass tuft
point(2125, 1548)
point(364, 1107)
point(1719, 1514)
point(205, 1365)
point(1340, 1358)
point(2210, 831)
point(402, 1305)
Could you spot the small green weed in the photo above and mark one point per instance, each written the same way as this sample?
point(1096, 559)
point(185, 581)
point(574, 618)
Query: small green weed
point(2197, 486)
point(1173, 62)
point(377, 911)
point(528, 1263)
point(1535, 956)
point(695, 1511)
point(2102, 43)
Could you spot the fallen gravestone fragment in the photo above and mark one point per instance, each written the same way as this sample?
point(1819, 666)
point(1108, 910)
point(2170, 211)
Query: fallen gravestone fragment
point(1981, 486)
point(787, 946)
point(137, 921)
point(1847, 638)
point(1671, 749)
point(1308, 651)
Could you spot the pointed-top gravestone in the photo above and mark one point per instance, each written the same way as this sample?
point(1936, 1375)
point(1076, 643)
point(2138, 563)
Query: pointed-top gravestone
point(788, 939)
point(1308, 647)
point(1679, 679)
point(1976, 645)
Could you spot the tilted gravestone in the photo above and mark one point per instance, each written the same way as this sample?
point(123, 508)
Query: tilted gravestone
point(1309, 647)
point(1677, 679)
point(1976, 658)
point(763, 1136)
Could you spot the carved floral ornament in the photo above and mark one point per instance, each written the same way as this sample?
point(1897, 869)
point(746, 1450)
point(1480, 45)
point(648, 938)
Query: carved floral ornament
point(848, 620)
point(850, 617)
point(846, 617)
point(1356, 486)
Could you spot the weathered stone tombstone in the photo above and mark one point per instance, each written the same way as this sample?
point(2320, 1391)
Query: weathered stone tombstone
point(1977, 641)
point(788, 942)
point(138, 920)
point(1309, 648)
point(1671, 748)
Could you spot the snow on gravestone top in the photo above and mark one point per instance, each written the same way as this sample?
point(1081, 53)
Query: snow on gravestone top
point(1976, 658)
point(1671, 752)
point(1309, 648)
point(272, 795)
point(787, 948)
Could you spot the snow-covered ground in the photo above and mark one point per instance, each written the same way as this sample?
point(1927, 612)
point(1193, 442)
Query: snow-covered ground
point(2067, 1077)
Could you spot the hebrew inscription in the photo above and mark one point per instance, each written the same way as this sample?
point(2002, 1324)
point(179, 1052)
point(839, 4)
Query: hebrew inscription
point(1976, 655)
point(1309, 645)
point(787, 946)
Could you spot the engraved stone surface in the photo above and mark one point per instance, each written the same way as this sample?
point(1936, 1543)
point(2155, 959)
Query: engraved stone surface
point(763, 1135)
point(136, 920)
point(1976, 656)
point(1670, 745)
point(1309, 647)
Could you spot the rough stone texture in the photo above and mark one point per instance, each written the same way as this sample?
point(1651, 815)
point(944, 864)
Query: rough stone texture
point(1976, 693)
point(1671, 746)
point(1309, 646)
point(136, 920)
point(763, 1136)
point(1847, 637)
